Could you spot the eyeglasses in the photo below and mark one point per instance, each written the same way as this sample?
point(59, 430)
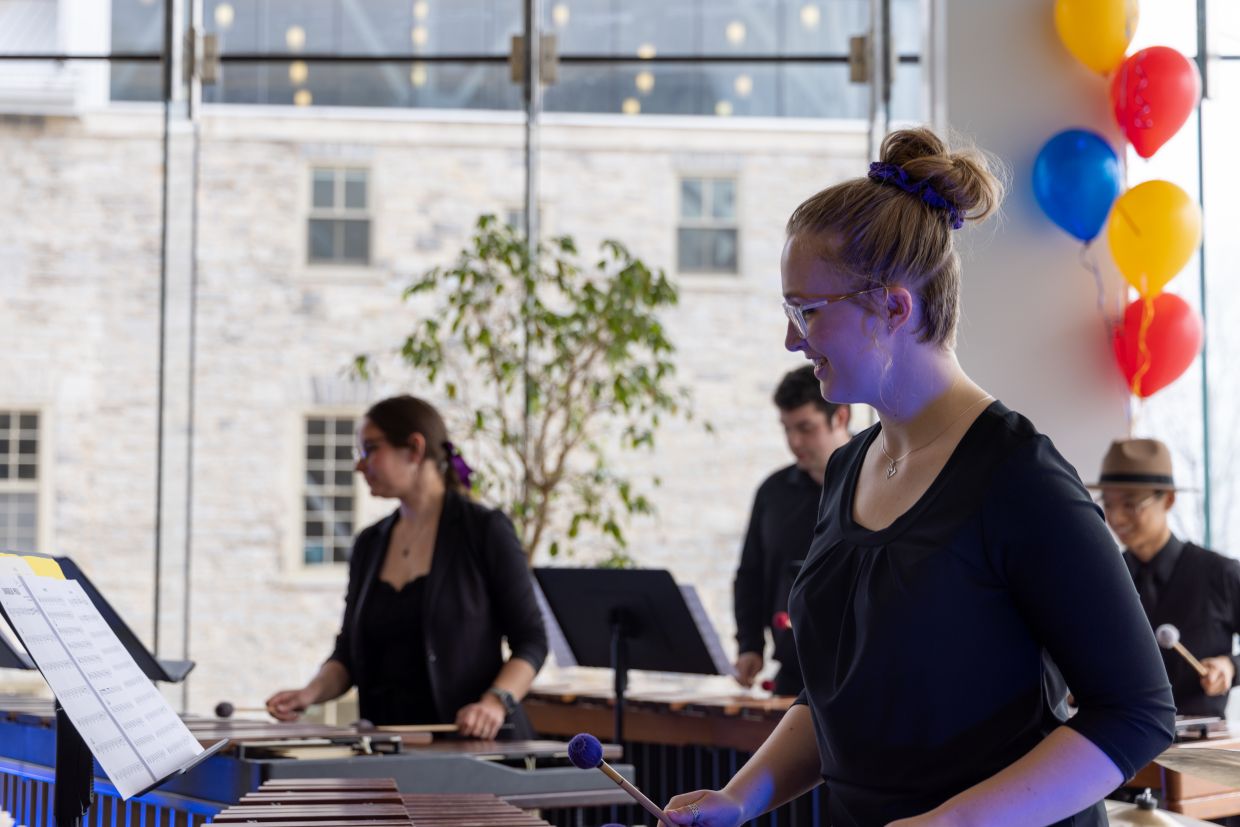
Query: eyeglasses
point(796, 312)
point(366, 450)
point(1130, 508)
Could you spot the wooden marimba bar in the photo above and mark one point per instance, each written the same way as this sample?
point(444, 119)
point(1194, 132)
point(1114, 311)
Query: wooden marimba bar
point(374, 802)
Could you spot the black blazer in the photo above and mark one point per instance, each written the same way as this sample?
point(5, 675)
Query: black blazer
point(478, 592)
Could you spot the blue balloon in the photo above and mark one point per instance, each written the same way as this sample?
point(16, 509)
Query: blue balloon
point(1076, 178)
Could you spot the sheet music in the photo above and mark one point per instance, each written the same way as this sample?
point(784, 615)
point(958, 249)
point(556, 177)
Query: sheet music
point(707, 630)
point(130, 729)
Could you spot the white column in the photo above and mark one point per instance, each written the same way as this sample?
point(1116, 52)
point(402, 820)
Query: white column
point(1030, 330)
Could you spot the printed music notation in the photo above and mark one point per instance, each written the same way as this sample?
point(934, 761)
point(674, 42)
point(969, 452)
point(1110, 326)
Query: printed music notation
point(131, 730)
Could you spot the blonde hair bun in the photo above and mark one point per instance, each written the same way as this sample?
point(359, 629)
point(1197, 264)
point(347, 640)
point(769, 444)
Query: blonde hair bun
point(965, 177)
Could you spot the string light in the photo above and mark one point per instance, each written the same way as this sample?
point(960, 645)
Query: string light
point(560, 14)
point(646, 51)
point(303, 97)
point(644, 81)
point(421, 10)
point(224, 15)
point(743, 85)
point(723, 109)
point(418, 74)
point(631, 106)
point(811, 16)
point(295, 38)
point(298, 72)
point(420, 35)
point(735, 32)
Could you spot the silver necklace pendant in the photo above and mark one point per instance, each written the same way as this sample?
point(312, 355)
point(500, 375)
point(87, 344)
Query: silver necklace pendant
point(891, 469)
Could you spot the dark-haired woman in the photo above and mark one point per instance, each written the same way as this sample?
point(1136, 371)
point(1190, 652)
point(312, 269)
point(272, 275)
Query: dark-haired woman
point(433, 590)
point(959, 571)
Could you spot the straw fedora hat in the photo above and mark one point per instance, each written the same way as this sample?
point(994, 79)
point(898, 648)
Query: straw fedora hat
point(1137, 463)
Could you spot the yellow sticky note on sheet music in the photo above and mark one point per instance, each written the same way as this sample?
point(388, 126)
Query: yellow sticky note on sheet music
point(42, 566)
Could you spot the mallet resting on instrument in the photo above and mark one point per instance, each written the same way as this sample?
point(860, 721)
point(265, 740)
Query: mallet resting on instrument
point(1169, 638)
point(224, 709)
point(585, 752)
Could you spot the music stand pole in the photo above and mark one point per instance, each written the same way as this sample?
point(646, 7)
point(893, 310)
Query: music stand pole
point(75, 773)
point(620, 670)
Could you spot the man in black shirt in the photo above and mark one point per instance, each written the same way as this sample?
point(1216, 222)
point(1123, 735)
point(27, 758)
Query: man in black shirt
point(1189, 587)
point(781, 526)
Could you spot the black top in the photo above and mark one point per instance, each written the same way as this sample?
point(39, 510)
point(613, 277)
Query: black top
point(929, 648)
point(1197, 591)
point(781, 526)
point(396, 680)
point(478, 592)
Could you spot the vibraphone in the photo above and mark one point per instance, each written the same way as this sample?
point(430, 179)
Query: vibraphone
point(532, 774)
point(323, 802)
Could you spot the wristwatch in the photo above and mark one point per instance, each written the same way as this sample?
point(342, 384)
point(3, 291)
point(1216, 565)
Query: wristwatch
point(506, 698)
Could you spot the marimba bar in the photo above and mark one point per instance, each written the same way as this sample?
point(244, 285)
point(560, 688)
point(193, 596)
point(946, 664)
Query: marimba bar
point(373, 802)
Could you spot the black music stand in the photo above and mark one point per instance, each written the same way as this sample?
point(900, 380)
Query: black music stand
point(11, 657)
point(627, 619)
point(157, 669)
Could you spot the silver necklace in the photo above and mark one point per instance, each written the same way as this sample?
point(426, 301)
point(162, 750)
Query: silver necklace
point(893, 462)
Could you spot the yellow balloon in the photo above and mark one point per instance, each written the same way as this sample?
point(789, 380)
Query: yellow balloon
point(1096, 32)
point(1154, 229)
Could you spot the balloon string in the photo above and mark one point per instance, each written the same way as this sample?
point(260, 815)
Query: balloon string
point(1087, 261)
point(1143, 350)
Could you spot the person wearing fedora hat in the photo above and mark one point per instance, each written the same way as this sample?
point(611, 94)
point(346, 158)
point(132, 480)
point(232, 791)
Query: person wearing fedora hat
point(1180, 583)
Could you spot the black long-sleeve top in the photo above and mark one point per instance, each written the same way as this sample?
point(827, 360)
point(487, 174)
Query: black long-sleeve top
point(477, 593)
point(781, 526)
point(1197, 591)
point(932, 650)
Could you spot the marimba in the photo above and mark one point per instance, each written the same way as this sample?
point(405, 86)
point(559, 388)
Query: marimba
point(536, 774)
point(323, 802)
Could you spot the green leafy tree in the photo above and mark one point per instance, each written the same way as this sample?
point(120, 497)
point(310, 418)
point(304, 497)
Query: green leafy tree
point(556, 366)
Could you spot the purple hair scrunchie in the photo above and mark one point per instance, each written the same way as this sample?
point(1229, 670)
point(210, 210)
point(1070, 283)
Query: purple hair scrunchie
point(886, 173)
point(459, 465)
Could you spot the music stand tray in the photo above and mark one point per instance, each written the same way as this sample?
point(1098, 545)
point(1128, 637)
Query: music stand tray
point(631, 619)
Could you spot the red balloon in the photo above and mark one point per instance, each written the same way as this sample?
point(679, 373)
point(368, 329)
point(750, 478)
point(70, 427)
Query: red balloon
point(1172, 342)
point(1153, 92)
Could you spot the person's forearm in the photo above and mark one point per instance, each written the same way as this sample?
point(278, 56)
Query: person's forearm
point(784, 767)
point(515, 677)
point(331, 682)
point(1059, 777)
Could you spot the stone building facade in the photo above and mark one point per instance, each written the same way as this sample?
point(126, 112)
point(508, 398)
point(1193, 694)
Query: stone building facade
point(274, 335)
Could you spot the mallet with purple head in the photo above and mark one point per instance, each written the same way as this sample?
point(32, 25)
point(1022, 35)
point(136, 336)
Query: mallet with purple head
point(586, 753)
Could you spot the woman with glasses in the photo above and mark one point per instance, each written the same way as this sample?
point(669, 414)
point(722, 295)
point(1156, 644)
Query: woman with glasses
point(434, 588)
point(959, 571)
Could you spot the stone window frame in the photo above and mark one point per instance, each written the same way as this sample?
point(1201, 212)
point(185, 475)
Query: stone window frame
point(16, 430)
point(339, 214)
point(707, 220)
point(337, 442)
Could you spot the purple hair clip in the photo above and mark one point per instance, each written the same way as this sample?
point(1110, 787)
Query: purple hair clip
point(463, 471)
point(886, 173)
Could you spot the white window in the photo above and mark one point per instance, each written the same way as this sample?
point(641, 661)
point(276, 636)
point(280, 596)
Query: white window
point(707, 237)
point(19, 480)
point(330, 496)
point(339, 228)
